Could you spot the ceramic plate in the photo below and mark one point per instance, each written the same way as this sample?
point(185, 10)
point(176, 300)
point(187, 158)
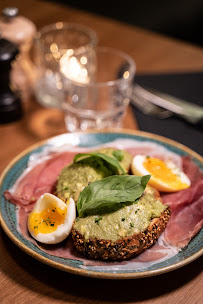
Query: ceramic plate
point(90, 139)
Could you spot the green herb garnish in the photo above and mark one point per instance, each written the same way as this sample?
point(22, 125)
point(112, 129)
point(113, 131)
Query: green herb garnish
point(123, 219)
point(97, 219)
point(47, 220)
point(111, 160)
point(118, 154)
point(65, 188)
point(110, 193)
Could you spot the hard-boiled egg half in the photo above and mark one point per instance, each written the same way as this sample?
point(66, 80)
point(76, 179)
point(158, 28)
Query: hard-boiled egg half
point(51, 219)
point(165, 175)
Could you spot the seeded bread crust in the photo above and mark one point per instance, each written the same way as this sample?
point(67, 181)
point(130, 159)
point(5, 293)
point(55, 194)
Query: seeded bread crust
point(124, 248)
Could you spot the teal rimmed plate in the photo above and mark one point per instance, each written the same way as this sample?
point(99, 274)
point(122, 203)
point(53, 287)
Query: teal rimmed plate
point(90, 139)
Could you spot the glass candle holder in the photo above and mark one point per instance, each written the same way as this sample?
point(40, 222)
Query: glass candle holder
point(101, 101)
point(56, 48)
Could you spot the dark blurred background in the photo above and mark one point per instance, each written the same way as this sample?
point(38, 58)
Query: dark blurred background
point(182, 19)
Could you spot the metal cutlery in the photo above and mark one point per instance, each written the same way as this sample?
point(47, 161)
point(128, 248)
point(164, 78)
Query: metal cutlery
point(161, 105)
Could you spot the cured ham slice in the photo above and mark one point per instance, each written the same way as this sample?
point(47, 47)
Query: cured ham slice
point(187, 208)
point(185, 223)
point(38, 180)
point(192, 170)
point(184, 197)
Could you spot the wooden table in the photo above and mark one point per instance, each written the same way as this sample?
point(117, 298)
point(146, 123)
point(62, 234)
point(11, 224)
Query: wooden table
point(25, 280)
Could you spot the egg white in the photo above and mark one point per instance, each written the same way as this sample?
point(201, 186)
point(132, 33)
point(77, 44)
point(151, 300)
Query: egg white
point(63, 230)
point(177, 171)
point(137, 165)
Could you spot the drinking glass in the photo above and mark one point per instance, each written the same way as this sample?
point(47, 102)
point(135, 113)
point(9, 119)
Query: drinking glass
point(54, 47)
point(100, 101)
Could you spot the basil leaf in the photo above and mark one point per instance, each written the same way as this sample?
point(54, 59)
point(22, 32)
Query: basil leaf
point(113, 161)
point(110, 193)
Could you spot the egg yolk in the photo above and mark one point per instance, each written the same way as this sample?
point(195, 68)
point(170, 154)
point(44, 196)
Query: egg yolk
point(159, 171)
point(47, 220)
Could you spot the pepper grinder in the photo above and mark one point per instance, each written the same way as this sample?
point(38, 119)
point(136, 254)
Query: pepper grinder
point(19, 30)
point(10, 102)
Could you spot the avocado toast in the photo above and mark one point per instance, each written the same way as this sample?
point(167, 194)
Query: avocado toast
point(123, 233)
point(119, 216)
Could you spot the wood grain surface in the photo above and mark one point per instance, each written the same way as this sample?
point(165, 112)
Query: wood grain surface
point(25, 280)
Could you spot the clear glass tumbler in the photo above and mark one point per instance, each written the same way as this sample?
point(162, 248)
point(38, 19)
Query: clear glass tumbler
point(54, 47)
point(101, 101)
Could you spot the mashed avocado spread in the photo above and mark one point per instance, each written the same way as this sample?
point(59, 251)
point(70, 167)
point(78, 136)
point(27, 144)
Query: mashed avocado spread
point(74, 177)
point(130, 219)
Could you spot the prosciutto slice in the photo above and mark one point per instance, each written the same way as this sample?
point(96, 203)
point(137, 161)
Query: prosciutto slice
point(184, 223)
point(38, 180)
point(187, 208)
point(184, 197)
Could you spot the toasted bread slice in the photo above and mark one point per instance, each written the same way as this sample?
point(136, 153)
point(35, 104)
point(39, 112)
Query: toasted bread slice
point(136, 232)
point(124, 248)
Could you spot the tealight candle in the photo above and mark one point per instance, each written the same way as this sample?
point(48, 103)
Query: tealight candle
point(73, 69)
